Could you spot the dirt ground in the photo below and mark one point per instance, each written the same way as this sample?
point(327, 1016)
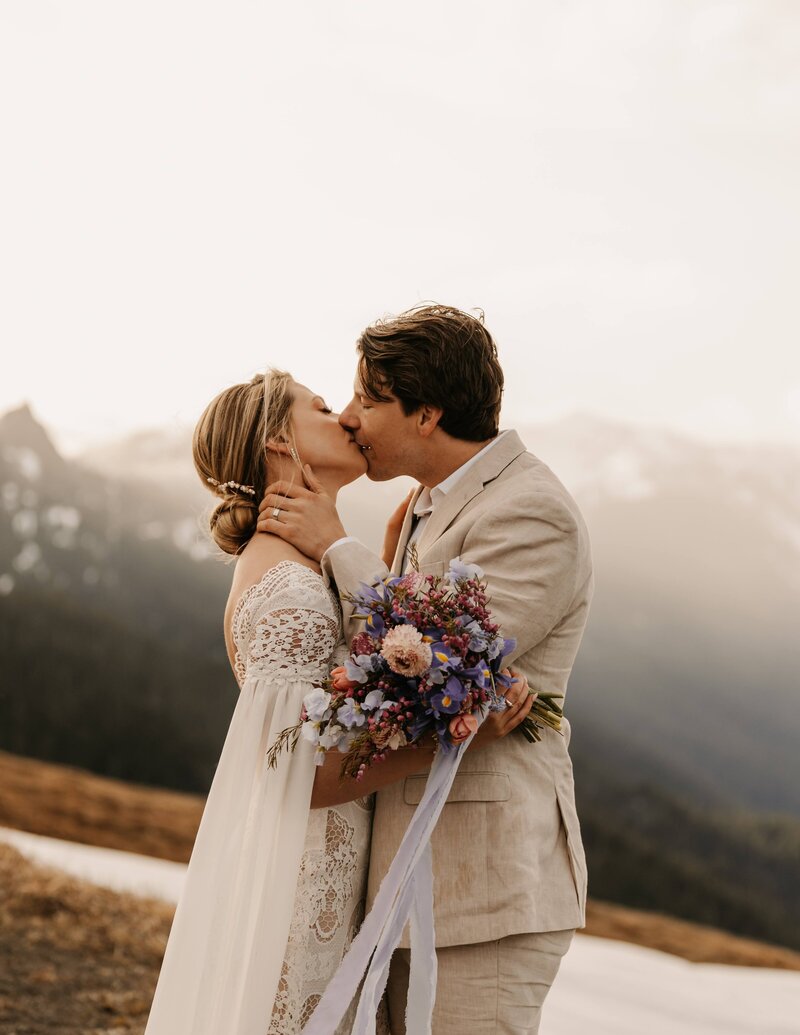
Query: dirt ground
point(74, 959)
point(81, 960)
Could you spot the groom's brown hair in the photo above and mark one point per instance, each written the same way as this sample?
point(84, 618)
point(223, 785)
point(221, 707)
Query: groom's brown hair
point(441, 356)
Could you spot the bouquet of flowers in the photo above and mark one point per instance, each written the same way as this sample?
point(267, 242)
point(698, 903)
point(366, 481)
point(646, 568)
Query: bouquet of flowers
point(429, 659)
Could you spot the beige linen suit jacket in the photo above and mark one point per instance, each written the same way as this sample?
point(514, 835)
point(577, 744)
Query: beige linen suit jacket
point(507, 851)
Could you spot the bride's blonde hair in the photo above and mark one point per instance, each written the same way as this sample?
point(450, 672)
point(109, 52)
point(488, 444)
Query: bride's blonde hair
point(229, 448)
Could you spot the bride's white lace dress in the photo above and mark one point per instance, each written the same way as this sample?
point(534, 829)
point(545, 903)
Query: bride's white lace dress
point(274, 892)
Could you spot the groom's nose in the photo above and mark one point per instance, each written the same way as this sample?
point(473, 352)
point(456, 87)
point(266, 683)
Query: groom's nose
point(348, 417)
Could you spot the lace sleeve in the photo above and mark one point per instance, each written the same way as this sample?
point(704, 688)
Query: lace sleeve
point(288, 624)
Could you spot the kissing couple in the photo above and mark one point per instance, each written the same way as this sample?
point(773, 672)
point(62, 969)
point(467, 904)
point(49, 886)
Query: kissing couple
point(288, 860)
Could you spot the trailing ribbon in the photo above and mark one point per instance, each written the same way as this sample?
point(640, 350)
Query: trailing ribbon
point(405, 894)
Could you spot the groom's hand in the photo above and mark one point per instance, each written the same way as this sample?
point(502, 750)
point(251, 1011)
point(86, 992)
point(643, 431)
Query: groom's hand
point(519, 699)
point(304, 516)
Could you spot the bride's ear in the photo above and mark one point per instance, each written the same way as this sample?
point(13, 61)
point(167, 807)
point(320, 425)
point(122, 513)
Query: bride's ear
point(278, 445)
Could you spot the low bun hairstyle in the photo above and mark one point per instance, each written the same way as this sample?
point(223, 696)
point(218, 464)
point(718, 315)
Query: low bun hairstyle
point(229, 448)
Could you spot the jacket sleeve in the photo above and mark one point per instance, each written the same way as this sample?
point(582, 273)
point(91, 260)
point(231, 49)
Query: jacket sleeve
point(348, 564)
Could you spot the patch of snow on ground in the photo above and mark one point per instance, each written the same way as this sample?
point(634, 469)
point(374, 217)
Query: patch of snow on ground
point(604, 987)
point(107, 867)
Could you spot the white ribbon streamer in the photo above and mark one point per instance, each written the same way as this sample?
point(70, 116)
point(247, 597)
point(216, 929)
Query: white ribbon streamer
point(422, 977)
point(406, 892)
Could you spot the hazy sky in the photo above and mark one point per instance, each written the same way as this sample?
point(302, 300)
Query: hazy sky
point(189, 191)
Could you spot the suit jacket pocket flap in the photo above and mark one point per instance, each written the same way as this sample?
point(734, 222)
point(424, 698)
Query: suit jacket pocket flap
point(466, 787)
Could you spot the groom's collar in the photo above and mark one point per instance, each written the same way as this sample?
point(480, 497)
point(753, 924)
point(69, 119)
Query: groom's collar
point(483, 468)
point(429, 498)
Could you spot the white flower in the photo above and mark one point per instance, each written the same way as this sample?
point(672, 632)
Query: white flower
point(316, 704)
point(397, 740)
point(405, 651)
point(310, 731)
point(331, 737)
point(346, 742)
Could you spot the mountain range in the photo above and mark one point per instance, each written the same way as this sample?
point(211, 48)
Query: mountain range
point(690, 666)
point(682, 701)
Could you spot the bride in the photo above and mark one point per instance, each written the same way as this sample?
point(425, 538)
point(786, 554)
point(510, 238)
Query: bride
point(275, 887)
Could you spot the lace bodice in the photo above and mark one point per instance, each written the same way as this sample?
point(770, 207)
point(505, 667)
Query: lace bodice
point(288, 624)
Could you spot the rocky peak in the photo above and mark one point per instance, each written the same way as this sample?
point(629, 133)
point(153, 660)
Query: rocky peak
point(24, 439)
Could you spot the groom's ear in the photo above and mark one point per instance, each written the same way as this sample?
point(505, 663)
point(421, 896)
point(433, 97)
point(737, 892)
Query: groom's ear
point(428, 418)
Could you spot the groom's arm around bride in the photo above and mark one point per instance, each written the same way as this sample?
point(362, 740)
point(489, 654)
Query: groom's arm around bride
point(509, 867)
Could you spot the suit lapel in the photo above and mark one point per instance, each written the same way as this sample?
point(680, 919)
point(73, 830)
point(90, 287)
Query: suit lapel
point(467, 488)
point(405, 533)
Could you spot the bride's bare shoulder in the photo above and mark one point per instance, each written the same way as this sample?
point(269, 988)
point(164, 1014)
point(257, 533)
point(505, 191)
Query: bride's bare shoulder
point(263, 552)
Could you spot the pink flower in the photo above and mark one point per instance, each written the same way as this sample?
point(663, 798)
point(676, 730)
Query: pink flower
point(363, 643)
point(340, 680)
point(412, 581)
point(461, 727)
point(405, 652)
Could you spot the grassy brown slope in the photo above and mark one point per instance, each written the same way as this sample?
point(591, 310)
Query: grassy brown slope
point(74, 958)
point(59, 801)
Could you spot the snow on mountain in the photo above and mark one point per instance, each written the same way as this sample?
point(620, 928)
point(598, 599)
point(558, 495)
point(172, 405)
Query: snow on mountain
point(63, 523)
point(606, 987)
point(694, 544)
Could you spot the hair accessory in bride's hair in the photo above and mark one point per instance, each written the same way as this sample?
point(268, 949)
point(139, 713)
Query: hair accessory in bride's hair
point(228, 487)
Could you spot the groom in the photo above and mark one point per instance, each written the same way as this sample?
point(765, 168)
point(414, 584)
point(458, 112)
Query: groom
point(509, 867)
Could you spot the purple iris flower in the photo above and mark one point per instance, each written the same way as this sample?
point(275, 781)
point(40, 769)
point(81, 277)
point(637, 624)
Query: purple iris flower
point(450, 697)
point(375, 624)
point(507, 646)
point(443, 662)
point(480, 675)
point(379, 593)
point(494, 647)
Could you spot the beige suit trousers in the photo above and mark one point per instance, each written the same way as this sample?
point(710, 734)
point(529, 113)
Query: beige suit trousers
point(489, 988)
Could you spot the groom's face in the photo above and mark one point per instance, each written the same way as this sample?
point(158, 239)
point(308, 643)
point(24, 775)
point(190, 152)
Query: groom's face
point(387, 437)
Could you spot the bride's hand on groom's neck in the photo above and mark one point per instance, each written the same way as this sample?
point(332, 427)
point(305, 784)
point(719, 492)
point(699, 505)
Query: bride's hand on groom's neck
point(303, 515)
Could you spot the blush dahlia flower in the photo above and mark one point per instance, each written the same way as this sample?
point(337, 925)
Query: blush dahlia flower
point(405, 652)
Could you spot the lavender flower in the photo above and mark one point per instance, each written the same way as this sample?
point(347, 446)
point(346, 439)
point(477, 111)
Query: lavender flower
point(460, 570)
point(349, 714)
point(361, 667)
point(373, 700)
